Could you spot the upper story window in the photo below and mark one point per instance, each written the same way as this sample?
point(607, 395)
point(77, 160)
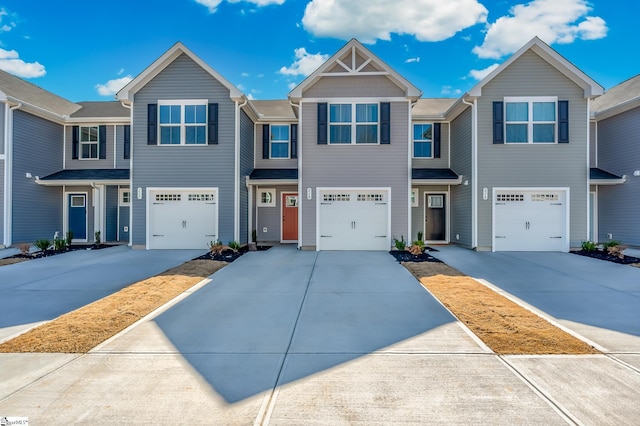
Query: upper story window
point(279, 140)
point(531, 120)
point(183, 122)
point(353, 123)
point(89, 142)
point(423, 140)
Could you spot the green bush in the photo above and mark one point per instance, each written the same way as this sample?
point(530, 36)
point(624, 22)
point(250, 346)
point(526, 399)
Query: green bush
point(400, 244)
point(609, 244)
point(42, 244)
point(69, 237)
point(420, 234)
point(96, 236)
point(234, 245)
point(59, 244)
point(589, 246)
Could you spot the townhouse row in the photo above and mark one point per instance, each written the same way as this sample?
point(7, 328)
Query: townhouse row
point(535, 157)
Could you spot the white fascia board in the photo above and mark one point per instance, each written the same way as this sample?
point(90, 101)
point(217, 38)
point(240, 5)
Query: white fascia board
point(590, 87)
point(418, 182)
point(607, 181)
point(81, 182)
point(99, 120)
point(128, 91)
point(271, 182)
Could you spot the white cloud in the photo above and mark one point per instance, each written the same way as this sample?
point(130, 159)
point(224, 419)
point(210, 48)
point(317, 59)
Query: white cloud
point(10, 62)
point(250, 97)
point(212, 5)
point(410, 60)
point(480, 74)
point(111, 87)
point(448, 90)
point(245, 74)
point(291, 85)
point(554, 21)
point(121, 71)
point(305, 63)
point(5, 27)
point(371, 20)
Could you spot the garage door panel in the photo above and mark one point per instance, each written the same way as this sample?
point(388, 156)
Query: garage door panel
point(530, 220)
point(183, 219)
point(353, 220)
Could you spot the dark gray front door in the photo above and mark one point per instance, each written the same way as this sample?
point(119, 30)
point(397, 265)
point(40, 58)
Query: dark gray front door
point(435, 217)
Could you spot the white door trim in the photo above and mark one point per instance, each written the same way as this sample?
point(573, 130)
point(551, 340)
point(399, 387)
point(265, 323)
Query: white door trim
point(567, 216)
point(447, 206)
point(65, 214)
point(352, 188)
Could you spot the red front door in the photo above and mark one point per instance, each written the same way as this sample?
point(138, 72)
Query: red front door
point(289, 216)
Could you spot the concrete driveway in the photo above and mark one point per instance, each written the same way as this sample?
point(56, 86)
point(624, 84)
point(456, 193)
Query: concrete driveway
point(289, 337)
point(43, 289)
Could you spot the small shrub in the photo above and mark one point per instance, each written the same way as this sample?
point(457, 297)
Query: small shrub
point(96, 237)
point(43, 244)
point(589, 246)
point(617, 251)
point(420, 234)
point(216, 247)
point(59, 244)
point(254, 236)
point(69, 237)
point(612, 243)
point(24, 249)
point(400, 244)
point(234, 246)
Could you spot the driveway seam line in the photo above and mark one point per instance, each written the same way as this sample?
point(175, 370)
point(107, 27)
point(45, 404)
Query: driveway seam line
point(555, 405)
point(264, 420)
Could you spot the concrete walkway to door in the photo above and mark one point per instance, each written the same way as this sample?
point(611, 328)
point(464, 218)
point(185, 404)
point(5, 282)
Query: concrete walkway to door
point(290, 337)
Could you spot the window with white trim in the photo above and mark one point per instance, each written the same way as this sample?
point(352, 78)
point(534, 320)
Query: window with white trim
point(266, 198)
point(125, 197)
point(531, 119)
point(354, 123)
point(89, 142)
point(279, 141)
point(423, 140)
point(182, 122)
point(414, 197)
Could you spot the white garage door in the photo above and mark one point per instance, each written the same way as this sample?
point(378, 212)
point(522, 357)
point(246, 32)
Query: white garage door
point(353, 220)
point(182, 219)
point(530, 220)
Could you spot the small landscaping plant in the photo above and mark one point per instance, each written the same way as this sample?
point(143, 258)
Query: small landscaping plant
point(234, 246)
point(69, 237)
point(59, 244)
point(43, 244)
point(24, 249)
point(96, 237)
point(589, 246)
point(216, 247)
point(400, 244)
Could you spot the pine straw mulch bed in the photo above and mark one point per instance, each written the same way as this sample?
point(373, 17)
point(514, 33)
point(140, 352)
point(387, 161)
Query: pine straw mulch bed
point(83, 329)
point(504, 326)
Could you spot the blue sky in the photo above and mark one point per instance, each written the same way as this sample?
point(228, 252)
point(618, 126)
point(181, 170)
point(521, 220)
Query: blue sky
point(85, 50)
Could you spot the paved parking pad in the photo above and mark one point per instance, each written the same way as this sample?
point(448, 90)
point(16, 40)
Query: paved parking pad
point(290, 337)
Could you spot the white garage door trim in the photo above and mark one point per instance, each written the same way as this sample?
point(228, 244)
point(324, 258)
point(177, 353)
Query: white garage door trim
point(567, 210)
point(354, 190)
point(150, 194)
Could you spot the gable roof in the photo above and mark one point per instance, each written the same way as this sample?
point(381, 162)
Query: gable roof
point(33, 97)
point(618, 99)
point(431, 108)
point(590, 87)
point(127, 92)
point(279, 109)
point(371, 66)
point(100, 112)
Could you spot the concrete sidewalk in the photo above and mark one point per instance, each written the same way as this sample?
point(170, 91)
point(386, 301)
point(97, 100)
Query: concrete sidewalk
point(289, 337)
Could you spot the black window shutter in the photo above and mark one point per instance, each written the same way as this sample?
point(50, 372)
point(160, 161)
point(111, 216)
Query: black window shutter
point(385, 123)
point(322, 123)
point(152, 124)
point(294, 141)
point(563, 121)
point(127, 142)
point(75, 142)
point(102, 142)
point(212, 131)
point(265, 141)
point(436, 140)
point(498, 122)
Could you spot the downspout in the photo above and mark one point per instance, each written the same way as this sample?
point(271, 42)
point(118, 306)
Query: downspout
point(474, 172)
point(8, 171)
point(130, 108)
point(236, 204)
point(300, 193)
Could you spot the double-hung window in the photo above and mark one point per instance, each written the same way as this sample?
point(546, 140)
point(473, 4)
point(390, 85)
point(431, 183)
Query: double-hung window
point(279, 141)
point(354, 123)
point(531, 120)
point(89, 142)
point(183, 122)
point(423, 140)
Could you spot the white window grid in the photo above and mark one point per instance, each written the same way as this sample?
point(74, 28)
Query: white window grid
point(415, 198)
point(545, 197)
point(267, 197)
point(168, 197)
point(200, 197)
point(183, 124)
point(530, 121)
point(336, 197)
point(89, 141)
point(371, 197)
point(353, 124)
point(272, 140)
point(420, 139)
point(510, 197)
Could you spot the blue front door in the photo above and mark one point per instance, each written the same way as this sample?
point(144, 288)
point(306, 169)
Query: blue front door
point(78, 216)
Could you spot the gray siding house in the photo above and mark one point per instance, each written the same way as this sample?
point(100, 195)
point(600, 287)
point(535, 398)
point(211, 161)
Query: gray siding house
point(532, 158)
point(615, 189)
